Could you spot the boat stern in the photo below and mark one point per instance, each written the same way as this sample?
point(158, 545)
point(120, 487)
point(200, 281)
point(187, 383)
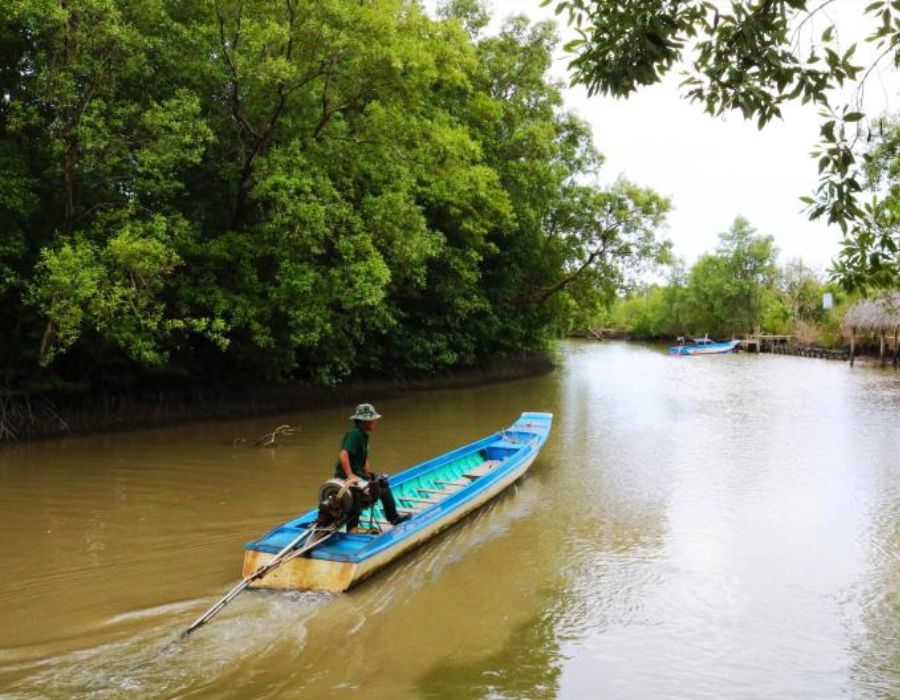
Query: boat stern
point(302, 573)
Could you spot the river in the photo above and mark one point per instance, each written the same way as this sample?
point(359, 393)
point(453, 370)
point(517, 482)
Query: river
point(713, 527)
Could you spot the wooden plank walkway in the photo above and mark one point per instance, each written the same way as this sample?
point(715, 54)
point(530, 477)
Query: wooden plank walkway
point(761, 341)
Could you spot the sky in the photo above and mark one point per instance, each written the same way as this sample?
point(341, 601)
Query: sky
point(712, 169)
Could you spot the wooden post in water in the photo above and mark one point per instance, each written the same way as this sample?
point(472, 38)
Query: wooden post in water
point(896, 331)
point(852, 344)
point(881, 355)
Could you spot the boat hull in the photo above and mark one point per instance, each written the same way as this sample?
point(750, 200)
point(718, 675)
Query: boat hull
point(711, 349)
point(306, 573)
point(302, 574)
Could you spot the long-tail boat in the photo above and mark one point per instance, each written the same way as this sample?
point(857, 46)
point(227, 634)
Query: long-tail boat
point(436, 494)
point(703, 346)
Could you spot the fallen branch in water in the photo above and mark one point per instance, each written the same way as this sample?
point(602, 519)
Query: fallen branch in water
point(271, 439)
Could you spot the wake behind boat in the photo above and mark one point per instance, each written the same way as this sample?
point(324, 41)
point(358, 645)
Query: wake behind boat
point(436, 494)
point(703, 346)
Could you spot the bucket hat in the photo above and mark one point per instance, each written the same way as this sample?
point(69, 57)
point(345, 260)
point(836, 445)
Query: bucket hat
point(365, 411)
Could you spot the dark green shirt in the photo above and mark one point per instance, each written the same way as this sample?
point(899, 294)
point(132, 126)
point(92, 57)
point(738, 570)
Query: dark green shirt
point(356, 442)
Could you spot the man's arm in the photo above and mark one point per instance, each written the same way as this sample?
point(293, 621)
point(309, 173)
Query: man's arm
point(344, 457)
point(367, 469)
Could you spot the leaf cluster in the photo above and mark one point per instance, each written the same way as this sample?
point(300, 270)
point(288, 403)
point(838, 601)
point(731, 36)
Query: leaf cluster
point(755, 56)
point(232, 190)
point(732, 291)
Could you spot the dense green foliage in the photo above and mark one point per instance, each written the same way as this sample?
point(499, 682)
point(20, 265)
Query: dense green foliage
point(754, 56)
point(736, 290)
point(871, 257)
point(315, 189)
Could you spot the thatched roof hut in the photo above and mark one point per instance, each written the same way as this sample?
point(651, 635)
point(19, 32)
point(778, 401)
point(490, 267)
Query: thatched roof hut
point(882, 314)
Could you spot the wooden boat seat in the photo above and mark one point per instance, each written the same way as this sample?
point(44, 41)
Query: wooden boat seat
point(439, 492)
point(481, 469)
point(459, 482)
point(412, 499)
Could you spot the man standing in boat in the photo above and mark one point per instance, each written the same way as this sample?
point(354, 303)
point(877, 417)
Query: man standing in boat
point(352, 463)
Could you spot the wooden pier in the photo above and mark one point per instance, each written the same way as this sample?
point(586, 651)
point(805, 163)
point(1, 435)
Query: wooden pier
point(788, 345)
point(762, 342)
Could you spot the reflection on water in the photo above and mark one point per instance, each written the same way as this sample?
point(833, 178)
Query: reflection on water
point(695, 527)
point(527, 666)
point(876, 661)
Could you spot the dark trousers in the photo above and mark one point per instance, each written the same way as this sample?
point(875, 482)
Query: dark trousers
point(387, 502)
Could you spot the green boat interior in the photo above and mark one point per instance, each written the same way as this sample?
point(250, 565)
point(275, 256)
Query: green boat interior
point(421, 491)
point(412, 494)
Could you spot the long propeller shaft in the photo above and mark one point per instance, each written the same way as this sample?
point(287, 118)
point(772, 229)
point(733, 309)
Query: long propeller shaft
point(291, 551)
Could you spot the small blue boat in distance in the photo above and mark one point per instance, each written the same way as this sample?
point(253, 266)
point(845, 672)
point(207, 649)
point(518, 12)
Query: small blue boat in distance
point(703, 346)
point(436, 493)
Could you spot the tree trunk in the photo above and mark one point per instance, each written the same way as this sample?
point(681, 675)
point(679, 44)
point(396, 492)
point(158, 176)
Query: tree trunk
point(896, 332)
point(70, 139)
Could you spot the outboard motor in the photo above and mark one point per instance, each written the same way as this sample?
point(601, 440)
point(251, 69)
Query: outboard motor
point(335, 503)
point(339, 500)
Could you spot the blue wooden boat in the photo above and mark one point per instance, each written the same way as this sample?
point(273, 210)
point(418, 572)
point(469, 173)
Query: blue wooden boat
point(703, 346)
point(437, 493)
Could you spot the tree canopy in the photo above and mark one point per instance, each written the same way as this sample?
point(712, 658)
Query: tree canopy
point(727, 288)
point(735, 290)
point(320, 189)
point(754, 56)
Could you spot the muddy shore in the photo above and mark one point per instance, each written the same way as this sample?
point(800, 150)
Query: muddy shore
point(32, 417)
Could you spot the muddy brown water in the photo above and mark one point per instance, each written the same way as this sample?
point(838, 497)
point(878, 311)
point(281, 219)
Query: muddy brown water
point(695, 527)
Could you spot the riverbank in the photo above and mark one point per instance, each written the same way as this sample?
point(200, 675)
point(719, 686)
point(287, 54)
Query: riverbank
point(32, 417)
point(866, 353)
